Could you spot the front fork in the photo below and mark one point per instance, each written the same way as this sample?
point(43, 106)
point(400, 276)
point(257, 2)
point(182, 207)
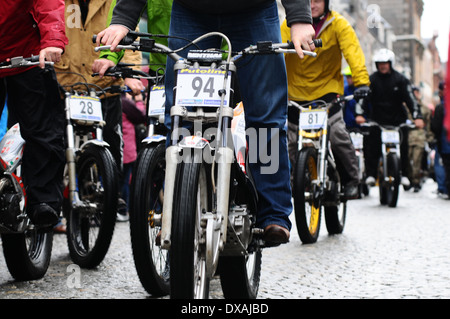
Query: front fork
point(223, 159)
point(323, 153)
point(385, 151)
point(172, 154)
point(322, 160)
point(70, 154)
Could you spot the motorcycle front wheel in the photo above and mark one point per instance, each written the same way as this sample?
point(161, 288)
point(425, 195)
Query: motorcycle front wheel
point(90, 228)
point(393, 167)
point(389, 187)
point(306, 207)
point(192, 198)
point(146, 204)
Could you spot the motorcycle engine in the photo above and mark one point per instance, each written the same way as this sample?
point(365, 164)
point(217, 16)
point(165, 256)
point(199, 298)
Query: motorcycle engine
point(9, 208)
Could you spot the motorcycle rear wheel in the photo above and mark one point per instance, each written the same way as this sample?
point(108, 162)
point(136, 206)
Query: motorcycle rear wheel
point(335, 213)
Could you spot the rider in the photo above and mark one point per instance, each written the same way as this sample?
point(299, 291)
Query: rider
point(439, 170)
point(79, 57)
point(389, 90)
point(442, 141)
point(350, 106)
point(262, 79)
point(417, 141)
point(36, 28)
point(321, 78)
point(158, 21)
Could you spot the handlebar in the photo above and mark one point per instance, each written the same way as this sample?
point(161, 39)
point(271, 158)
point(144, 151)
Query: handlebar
point(123, 70)
point(20, 61)
point(387, 127)
point(149, 45)
point(132, 35)
point(93, 88)
point(321, 103)
point(317, 44)
point(143, 44)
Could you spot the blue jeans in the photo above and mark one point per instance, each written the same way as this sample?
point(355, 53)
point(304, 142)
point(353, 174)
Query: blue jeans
point(439, 173)
point(263, 86)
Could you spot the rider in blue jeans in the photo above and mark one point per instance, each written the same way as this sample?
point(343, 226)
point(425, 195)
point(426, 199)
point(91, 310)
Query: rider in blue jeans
point(261, 79)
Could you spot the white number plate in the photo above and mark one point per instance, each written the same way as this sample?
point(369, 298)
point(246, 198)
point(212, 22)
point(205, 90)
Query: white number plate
point(200, 87)
point(85, 108)
point(390, 136)
point(157, 100)
point(312, 119)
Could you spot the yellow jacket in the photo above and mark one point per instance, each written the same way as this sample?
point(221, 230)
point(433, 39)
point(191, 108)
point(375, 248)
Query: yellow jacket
point(312, 78)
point(79, 54)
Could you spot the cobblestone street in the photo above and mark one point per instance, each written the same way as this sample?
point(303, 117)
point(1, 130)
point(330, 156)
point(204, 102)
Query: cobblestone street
point(391, 253)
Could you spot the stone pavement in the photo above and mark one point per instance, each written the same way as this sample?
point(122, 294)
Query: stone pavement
point(393, 253)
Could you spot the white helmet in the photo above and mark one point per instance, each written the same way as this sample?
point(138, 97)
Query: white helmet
point(384, 55)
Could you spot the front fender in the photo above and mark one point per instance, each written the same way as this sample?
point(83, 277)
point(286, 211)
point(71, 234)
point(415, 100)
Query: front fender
point(153, 139)
point(95, 142)
point(197, 143)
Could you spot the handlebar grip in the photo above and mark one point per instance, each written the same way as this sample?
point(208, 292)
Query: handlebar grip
point(34, 58)
point(317, 43)
point(127, 40)
point(109, 72)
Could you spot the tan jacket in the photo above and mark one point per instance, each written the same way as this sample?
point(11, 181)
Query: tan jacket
point(79, 54)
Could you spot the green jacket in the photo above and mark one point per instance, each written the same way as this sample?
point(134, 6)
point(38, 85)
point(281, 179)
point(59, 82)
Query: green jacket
point(158, 14)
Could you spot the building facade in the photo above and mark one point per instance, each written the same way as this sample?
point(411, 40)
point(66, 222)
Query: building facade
point(396, 25)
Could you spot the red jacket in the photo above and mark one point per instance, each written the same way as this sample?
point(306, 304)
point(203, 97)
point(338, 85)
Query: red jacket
point(447, 97)
point(27, 26)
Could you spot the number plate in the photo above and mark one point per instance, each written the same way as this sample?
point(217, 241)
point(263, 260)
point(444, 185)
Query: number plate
point(85, 108)
point(157, 100)
point(390, 136)
point(312, 119)
point(200, 87)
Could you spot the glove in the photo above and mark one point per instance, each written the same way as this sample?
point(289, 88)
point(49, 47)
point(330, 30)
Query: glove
point(361, 92)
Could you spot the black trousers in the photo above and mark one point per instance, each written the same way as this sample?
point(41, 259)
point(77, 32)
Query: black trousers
point(35, 103)
point(446, 164)
point(112, 131)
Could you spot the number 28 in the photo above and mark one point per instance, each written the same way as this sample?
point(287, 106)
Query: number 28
point(86, 107)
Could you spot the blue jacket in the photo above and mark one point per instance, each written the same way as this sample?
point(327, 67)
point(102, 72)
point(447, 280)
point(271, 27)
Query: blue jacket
point(128, 12)
point(349, 108)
